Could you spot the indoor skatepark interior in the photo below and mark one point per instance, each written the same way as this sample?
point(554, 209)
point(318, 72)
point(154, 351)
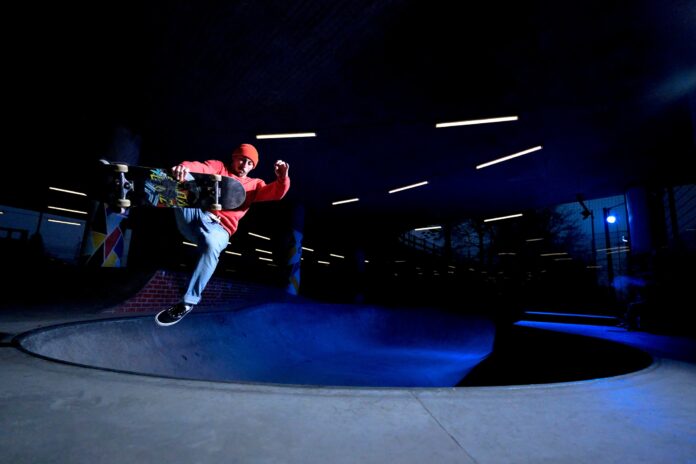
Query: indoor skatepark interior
point(486, 253)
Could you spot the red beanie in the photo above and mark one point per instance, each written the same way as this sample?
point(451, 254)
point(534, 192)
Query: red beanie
point(248, 151)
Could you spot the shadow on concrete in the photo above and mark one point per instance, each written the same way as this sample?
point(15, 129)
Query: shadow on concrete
point(524, 355)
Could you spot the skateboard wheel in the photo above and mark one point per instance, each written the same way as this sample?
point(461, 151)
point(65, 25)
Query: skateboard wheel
point(216, 207)
point(123, 203)
point(216, 177)
point(121, 167)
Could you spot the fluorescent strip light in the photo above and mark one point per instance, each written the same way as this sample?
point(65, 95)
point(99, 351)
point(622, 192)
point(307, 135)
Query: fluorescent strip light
point(67, 191)
point(64, 222)
point(287, 136)
point(472, 122)
point(265, 259)
point(554, 254)
point(233, 253)
point(351, 200)
point(428, 228)
point(263, 251)
point(68, 210)
point(189, 244)
point(502, 217)
point(505, 158)
point(419, 184)
point(259, 236)
point(614, 249)
point(307, 249)
point(534, 239)
point(337, 256)
point(323, 262)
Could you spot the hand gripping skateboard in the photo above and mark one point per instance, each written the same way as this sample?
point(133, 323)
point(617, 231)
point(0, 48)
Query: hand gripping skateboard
point(127, 186)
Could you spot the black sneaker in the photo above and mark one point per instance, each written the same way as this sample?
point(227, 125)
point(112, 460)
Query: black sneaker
point(173, 315)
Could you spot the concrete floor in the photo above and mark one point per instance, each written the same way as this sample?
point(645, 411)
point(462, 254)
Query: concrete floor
point(52, 412)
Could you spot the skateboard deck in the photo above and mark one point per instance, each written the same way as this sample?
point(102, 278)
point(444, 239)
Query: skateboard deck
point(126, 186)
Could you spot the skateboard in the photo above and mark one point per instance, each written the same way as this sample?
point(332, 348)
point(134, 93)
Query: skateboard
point(125, 186)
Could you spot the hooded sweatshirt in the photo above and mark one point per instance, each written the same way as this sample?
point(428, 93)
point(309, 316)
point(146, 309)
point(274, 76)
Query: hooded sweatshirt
point(256, 190)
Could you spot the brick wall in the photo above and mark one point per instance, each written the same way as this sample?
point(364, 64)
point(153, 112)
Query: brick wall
point(166, 287)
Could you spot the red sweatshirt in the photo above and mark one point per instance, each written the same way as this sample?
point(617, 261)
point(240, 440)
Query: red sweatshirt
point(256, 190)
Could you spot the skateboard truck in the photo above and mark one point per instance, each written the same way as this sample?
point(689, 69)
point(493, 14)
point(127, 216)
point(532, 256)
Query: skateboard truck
point(217, 206)
point(124, 184)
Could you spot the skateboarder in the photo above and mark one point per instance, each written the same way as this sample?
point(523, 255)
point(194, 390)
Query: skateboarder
point(210, 230)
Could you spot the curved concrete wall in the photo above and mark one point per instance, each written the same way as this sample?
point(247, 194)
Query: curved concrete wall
point(286, 343)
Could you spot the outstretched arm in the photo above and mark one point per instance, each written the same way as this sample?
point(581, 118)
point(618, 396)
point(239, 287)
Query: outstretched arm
point(276, 189)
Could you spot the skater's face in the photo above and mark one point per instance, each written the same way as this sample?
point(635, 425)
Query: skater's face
point(241, 166)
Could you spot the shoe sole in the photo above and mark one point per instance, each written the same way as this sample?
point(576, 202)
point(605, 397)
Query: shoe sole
point(165, 324)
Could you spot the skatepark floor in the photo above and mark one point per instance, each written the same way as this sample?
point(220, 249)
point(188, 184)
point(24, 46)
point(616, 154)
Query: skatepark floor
point(53, 412)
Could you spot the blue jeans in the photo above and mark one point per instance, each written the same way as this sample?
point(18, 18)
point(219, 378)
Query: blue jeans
point(211, 238)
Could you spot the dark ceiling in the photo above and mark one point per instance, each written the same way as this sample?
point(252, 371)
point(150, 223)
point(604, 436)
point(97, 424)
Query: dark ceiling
point(607, 88)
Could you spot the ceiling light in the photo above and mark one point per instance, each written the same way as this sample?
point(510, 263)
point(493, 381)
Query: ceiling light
point(64, 222)
point(259, 236)
point(67, 191)
point(428, 228)
point(502, 217)
point(472, 122)
point(287, 136)
point(68, 210)
point(505, 158)
point(419, 184)
point(350, 200)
